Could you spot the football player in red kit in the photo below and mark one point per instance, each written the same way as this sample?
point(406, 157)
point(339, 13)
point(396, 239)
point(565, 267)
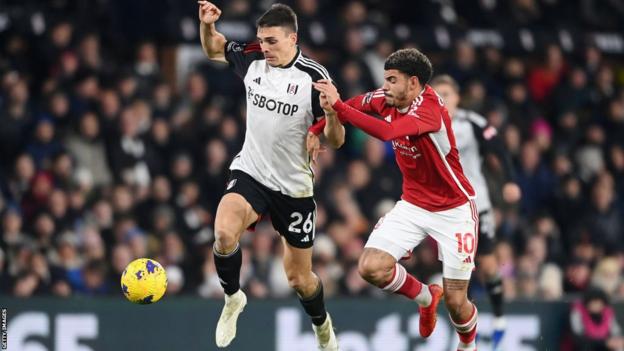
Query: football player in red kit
point(437, 200)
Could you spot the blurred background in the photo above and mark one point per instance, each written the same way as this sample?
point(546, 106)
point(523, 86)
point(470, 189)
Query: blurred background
point(116, 135)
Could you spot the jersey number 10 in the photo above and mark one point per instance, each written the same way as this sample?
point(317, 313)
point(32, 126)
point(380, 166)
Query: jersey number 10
point(465, 243)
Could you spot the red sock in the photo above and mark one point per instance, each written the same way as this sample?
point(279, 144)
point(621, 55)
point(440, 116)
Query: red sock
point(469, 337)
point(403, 283)
point(467, 330)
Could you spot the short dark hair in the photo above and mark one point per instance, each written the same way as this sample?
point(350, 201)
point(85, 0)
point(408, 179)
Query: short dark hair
point(279, 15)
point(445, 79)
point(411, 62)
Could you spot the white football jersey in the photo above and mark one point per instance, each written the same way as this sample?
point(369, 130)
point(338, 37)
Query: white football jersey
point(281, 106)
point(467, 125)
point(474, 138)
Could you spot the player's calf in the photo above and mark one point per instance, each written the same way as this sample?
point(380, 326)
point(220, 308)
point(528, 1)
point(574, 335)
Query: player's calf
point(228, 269)
point(463, 313)
point(466, 330)
point(313, 303)
point(314, 306)
point(405, 284)
point(382, 270)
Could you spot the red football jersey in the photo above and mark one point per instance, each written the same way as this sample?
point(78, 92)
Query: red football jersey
point(433, 178)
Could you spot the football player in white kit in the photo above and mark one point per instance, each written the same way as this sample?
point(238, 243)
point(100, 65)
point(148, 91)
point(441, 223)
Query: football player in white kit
point(474, 137)
point(271, 175)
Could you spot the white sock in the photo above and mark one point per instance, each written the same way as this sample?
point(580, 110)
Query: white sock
point(424, 296)
point(467, 347)
point(499, 323)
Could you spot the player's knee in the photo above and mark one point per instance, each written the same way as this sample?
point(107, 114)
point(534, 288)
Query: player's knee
point(372, 270)
point(296, 280)
point(455, 300)
point(225, 240)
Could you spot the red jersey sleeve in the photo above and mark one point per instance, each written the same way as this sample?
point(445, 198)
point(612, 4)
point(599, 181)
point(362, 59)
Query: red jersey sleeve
point(371, 102)
point(411, 124)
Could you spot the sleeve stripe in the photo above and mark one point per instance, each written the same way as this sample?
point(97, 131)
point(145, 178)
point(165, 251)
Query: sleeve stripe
point(378, 93)
point(315, 71)
point(252, 47)
point(309, 63)
point(314, 63)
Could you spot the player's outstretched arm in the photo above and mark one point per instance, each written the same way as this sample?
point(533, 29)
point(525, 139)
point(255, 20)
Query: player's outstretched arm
point(212, 41)
point(334, 130)
point(373, 126)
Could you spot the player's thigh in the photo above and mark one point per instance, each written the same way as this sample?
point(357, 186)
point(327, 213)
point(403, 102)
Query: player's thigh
point(294, 219)
point(456, 232)
point(455, 285)
point(398, 232)
point(297, 261)
point(234, 211)
point(242, 205)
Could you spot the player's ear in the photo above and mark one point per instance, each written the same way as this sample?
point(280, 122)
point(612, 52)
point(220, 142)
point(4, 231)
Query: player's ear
point(413, 82)
point(293, 37)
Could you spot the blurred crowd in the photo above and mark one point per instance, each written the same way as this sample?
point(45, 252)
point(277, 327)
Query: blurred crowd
point(106, 158)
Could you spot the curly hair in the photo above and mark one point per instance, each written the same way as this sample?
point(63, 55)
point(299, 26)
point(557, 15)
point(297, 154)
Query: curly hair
point(411, 62)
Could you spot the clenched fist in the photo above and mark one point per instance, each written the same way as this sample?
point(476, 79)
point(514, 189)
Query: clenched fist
point(208, 12)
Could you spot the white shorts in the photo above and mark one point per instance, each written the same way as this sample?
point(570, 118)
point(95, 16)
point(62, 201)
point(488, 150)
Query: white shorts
point(455, 231)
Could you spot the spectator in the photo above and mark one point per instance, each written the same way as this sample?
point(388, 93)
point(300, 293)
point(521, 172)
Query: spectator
point(44, 145)
point(594, 325)
point(129, 154)
point(535, 180)
point(607, 275)
point(15, 116)
point(92, 279)
point(577, 276)
point(544, 79)
point(89, 150)
point(603, 221)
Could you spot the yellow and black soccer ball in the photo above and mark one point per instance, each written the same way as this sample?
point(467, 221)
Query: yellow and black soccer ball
point(144, 281)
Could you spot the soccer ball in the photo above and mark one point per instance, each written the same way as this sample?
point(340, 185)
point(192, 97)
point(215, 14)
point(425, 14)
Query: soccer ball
point(144, 281)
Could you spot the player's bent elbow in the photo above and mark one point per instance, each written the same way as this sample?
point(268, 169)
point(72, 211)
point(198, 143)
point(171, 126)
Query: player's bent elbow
point(217, 58)
point(335, 139)
point(215, 54)
point(336, 143)
point(385, 137)
point(214, 47)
